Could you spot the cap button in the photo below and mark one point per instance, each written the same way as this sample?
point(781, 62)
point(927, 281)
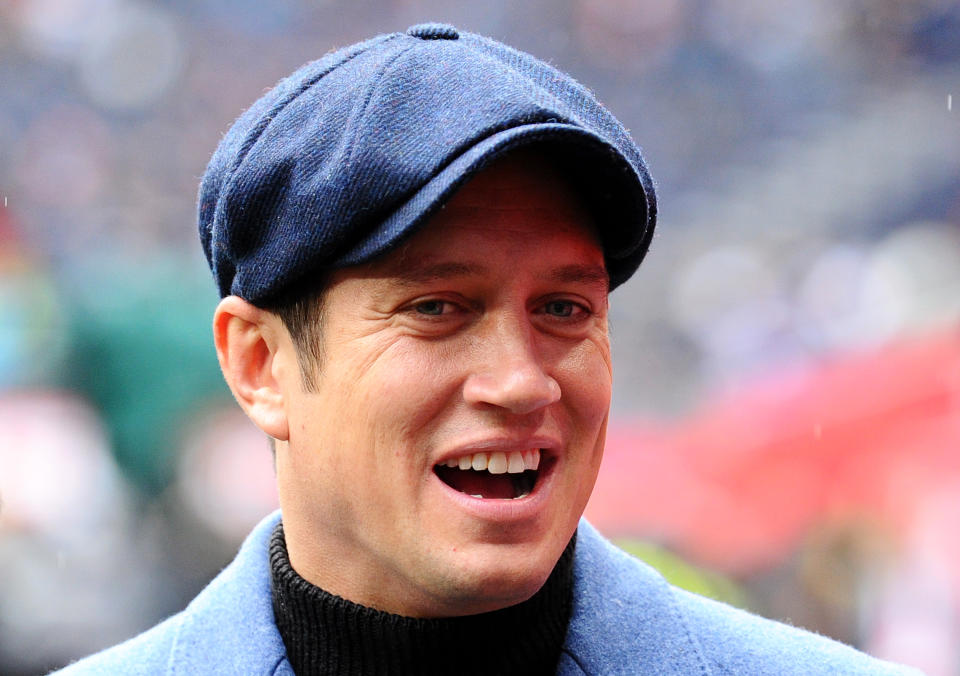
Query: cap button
point(433, 31)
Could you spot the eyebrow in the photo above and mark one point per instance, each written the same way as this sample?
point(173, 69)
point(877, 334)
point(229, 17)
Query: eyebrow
point(420, 273)
point(581, 274)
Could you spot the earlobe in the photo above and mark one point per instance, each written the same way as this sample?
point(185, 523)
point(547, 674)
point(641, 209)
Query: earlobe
point(248, 343)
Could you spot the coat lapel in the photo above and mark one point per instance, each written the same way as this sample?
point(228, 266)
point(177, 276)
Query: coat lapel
point(229, 628)
point(625, 619)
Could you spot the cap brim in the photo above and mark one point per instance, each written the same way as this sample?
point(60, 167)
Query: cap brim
point(612, 191)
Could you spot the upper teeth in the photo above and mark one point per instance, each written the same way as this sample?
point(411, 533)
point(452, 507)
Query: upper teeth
point(498, 462)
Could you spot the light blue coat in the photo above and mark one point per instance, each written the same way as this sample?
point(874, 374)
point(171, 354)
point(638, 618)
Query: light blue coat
point(626, 620)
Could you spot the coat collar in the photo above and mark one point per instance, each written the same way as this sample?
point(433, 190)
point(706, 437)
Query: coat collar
point(228, 628)
point(624, 617)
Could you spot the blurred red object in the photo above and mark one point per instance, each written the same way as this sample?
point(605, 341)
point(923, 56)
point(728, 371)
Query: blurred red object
point(737, 485)
point(9, 237)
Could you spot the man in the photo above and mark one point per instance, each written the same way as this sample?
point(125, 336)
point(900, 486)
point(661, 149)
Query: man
point(414, 239)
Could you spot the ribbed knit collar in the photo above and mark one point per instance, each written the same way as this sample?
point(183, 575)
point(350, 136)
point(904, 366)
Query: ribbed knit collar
point(325, 634)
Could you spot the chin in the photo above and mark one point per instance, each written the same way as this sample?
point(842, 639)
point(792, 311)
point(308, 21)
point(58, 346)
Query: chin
point(499, 576)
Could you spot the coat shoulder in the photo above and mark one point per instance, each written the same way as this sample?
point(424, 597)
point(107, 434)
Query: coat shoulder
point(146, 653)
point(627, 619)
point(734, 641)
point(228, 628)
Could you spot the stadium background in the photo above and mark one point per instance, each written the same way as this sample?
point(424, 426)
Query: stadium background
point(786, 424)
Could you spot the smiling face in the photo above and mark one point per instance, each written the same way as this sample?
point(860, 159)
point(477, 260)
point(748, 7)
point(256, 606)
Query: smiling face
point(452, 367)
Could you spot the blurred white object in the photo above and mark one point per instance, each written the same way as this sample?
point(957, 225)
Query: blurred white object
point(918, 618)
point(57, 478)
point(133, 56)
point(914, 273)
point(74, 577)
point(225, 475)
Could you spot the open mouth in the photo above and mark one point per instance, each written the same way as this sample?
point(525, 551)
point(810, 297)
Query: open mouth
point(492, 476)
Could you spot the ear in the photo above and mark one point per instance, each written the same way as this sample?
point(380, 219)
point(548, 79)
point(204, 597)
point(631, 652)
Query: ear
point(250, 345)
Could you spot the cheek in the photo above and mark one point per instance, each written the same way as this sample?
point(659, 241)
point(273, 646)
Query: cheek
point(413, 382)
point(586, 380)
point(586, 384)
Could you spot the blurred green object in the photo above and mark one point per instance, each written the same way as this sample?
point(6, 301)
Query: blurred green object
point(32, 336)
point(142, 353)
point(685, 575)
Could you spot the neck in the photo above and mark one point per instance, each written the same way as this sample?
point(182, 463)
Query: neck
point(326, 634)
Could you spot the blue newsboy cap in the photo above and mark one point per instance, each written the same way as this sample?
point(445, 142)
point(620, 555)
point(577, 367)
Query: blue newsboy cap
point(351, 153)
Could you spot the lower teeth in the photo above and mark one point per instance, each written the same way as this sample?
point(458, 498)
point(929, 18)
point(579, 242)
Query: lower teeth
point(466, 481)
point(515, 497)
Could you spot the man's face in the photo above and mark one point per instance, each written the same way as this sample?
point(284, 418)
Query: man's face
point(482, 342)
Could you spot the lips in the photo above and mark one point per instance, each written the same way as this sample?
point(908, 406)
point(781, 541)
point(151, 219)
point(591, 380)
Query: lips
point(496, 475)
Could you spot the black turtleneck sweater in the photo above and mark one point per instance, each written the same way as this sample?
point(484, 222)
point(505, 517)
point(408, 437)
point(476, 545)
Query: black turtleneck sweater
point(325, 634)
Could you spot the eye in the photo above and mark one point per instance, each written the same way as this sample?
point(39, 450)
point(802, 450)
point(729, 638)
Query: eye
point(560, 308)
point(436, 311)
point(433, 307)
point(565, 311)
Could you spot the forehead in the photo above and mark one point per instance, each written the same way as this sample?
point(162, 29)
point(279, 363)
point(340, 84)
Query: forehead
point(517, 204)
point(516, 184)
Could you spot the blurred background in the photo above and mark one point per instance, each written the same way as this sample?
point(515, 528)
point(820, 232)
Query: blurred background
point(786, 427)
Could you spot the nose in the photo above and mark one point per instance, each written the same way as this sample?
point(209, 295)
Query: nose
point(510, 374)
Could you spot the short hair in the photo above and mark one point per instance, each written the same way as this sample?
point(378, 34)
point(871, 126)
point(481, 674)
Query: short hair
point(302, 315)
point(301, 310)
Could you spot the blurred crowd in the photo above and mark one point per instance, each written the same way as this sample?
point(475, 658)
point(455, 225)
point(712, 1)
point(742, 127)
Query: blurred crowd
point(787, 394)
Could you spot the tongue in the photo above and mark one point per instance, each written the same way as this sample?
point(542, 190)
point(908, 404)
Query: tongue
point(484, 484)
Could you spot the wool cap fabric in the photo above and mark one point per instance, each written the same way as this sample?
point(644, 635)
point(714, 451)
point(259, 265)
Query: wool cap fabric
point(351, 153)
